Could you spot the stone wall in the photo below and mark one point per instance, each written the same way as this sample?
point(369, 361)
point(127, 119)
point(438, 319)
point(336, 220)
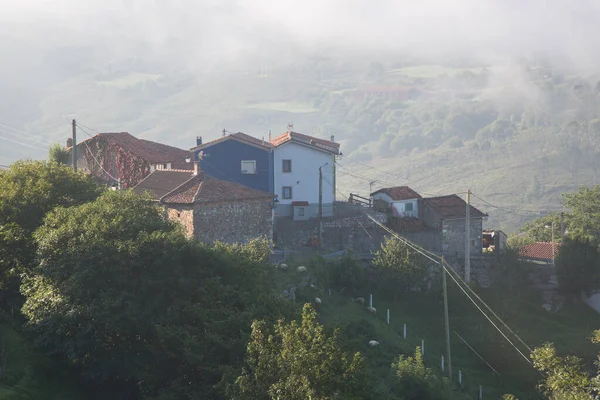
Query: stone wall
point(183, 214)
point(453, 236)
point(233, 222)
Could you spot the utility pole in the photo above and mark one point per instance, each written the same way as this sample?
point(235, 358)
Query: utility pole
point(321, 206)
point(446, 319)
point(74, 147)
point(468, 238)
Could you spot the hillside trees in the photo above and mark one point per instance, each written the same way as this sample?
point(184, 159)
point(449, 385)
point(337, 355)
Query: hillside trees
point(578, 267)
point(399, 265)
point(28, 191)
point(298, 361)
point(125, 297)
point(58, 154)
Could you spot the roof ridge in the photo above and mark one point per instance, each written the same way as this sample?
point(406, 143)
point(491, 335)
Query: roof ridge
point(180, 186)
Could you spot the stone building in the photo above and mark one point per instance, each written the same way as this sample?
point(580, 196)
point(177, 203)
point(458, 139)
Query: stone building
point(446, 215)
point(211, 209)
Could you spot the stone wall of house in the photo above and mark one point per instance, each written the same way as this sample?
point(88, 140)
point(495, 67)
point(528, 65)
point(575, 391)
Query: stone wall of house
point(233, 222)
point(453, 236)
point(183, 214)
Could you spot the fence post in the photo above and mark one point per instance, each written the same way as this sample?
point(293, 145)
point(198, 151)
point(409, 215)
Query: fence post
point(442, 364)
point(388, 316)
point(405, 331)
point(423, 347)
point(371, 300)
point(480, 393)
point(330, 292)
point(460, 378)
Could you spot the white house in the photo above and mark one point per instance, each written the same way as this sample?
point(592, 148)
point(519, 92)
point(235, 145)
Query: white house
point(401, 200)
point(297, 159)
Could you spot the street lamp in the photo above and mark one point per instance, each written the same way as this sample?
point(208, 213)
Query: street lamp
point(551, 227)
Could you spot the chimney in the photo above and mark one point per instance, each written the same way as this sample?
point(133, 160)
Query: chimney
point(269, 136)
point(263, 140)
point(69, 142)
point(332, 138)
point(198, 140)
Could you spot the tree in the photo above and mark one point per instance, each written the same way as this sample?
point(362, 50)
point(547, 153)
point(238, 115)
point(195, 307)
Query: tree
point(415, 380)
point(28, 191)
point(578, 267)
point(298, 361)
point(399, 263)
point(126, 298)
point(585, 212)
point(540, 229)
point(565, 376)
point(58, 154)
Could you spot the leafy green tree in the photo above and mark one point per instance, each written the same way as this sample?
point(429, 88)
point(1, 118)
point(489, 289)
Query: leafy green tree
point(298, 361)
point(126, 298)
point(578, 267)
point(398, 262)
point(540, 229)
point(58, 154)
point(415, 380)
point(28, 191)
point(565, 377)
point(585, 212)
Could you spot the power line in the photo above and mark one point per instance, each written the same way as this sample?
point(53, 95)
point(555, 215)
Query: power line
point(512, 211)
point(21, 143)
point(451, 273)
point(22, 132)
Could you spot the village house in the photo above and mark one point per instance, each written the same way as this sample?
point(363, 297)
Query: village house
point(121, 159)
point(287, 166)
point(447, 215)
point(211, 209)
point(494, 241)
point(400, 201)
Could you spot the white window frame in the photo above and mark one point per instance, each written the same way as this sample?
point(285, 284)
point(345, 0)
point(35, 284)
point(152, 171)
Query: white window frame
point(283, 192)
point(301, 211)
point(283, 166)
point(246, 164)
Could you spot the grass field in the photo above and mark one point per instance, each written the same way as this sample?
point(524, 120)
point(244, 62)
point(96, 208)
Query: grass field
point(569, 329)
point(29, 375)
point(290, 107)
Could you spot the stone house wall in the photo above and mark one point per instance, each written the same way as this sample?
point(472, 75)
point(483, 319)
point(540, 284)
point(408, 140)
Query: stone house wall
point(237, 222)
point(453, 236)
point(183, 214)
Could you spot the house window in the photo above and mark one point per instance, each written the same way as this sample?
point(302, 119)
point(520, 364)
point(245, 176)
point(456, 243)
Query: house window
point(287, 165)
point(301, 212)
point(408, 207)
point(286, 192)
point(248, 166)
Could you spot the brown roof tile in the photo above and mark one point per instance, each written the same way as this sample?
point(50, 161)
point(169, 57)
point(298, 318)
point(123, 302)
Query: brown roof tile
point(161, 182)
point(399, 193)
point(152, 152)
point(451, 206)
point(183, 187)
point(539, 250)
point(312, 141)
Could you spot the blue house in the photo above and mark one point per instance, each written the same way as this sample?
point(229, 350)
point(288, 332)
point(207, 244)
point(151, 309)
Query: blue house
point(238, 158)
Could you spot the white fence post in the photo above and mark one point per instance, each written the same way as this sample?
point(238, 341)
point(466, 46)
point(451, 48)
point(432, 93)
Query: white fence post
point(371, 300)
point(422, 347)
point(460, 378)
point(480, 393)
point(388, 316)
point(330, 292)
point(442, 364)
point(405, 331)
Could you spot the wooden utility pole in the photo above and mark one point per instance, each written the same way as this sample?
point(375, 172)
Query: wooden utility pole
point(74, 147)
point(320, 206)
point(468, 238)
point(446, 319)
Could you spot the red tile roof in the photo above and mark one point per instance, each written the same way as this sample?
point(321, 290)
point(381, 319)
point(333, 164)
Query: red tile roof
point(240, 137)
point(539, 250)
point(399, 193)
point(183, 187)
point(152, 152)
point(314, 142)
point(451, 206)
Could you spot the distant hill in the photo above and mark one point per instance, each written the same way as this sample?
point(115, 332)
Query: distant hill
point(517, 135)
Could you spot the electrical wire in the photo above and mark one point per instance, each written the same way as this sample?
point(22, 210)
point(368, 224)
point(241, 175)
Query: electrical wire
point(451, 273)
point(512, 211)
point(8, 128)
point(21, 143)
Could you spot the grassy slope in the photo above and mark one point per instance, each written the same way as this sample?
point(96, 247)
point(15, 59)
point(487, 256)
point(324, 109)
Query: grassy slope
point(174, 110)
point(569, 329)
point(30, 375)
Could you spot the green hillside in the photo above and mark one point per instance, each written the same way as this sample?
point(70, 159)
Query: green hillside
point(516, 134)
